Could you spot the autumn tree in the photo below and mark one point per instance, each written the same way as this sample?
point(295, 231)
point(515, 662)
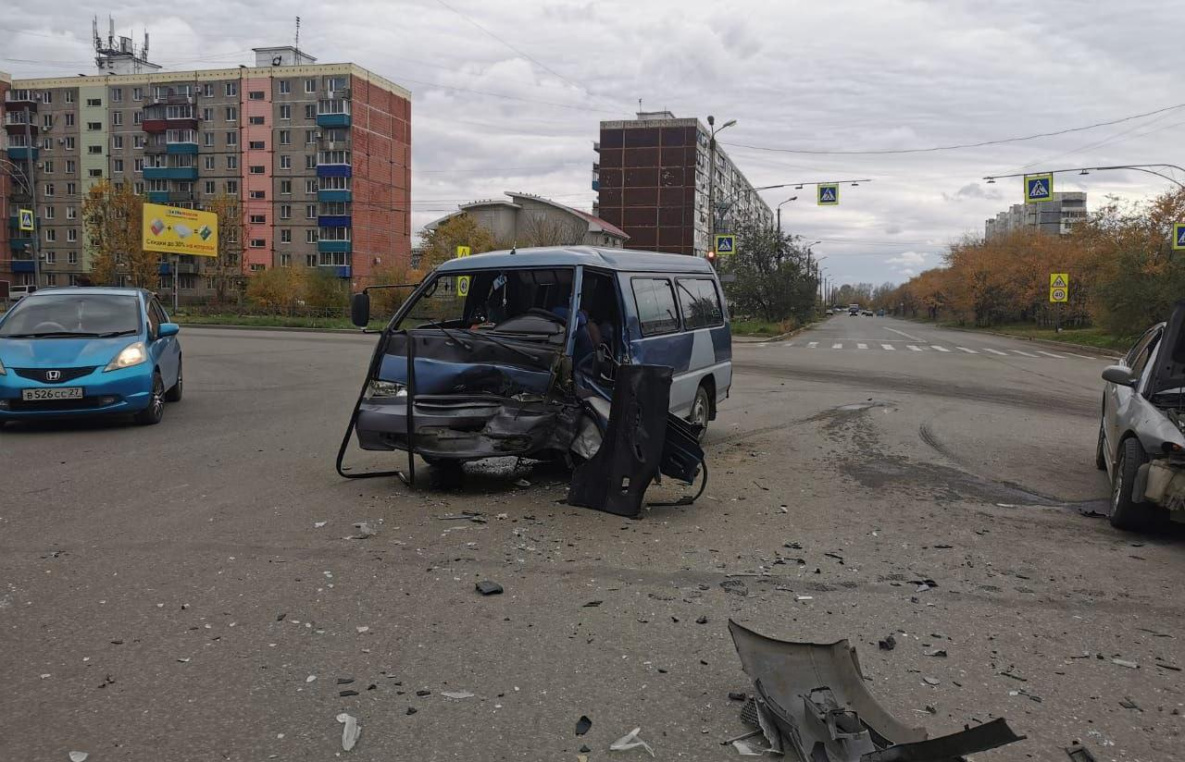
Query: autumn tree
point(279, 290)
point(550, 230)
point(769, 277)
point(112, 217)
point(226, 270)
point(440, 244)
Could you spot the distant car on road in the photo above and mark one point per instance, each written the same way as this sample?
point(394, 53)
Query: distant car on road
point(866, 313)
point(1141, 442)
point(853, 309)
point(69, 352)
point(880, 313)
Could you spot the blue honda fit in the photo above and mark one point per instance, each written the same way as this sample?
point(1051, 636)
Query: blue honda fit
point(70, 352)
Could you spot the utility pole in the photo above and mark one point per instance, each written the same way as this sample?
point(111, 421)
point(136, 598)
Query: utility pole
point(712, 177)
point(31, 175)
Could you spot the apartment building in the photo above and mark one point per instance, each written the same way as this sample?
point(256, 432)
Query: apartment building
point(652, 181)
point(1054, 217)
point(318, 154)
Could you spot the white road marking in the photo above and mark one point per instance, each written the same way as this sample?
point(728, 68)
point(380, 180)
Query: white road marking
point(916, 349)
point(789, 343)
point(1050, 354)
point(903, 333)
point(940, 349)
point(968, 351)
point(995, 351)
point(1026, 354)
point(837, 346)
point(764, 344)
point(1084, 357)
point(812, 344)
point(861, 346)
point(889, 347)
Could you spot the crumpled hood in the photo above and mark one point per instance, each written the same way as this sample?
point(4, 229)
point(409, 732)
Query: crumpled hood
point(1169, 371)
point(61, 353)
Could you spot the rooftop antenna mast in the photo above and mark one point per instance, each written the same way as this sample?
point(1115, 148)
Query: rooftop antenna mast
point(297, 39)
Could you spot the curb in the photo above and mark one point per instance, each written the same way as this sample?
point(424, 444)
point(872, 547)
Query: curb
point(277, 328)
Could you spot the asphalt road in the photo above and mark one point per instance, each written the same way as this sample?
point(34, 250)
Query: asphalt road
point(167, 592)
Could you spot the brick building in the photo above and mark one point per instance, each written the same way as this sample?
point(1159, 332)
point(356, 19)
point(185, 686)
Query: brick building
point(652, 182)
point(318, 154)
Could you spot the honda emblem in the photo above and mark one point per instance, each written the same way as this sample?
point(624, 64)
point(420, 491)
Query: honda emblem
point(53, 375)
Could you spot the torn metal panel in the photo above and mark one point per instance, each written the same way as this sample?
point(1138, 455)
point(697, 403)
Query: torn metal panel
point(1166, 484)
point(616, 478)
point(812, 699)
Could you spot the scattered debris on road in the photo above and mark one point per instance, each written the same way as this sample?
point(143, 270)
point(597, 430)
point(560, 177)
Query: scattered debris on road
point(78, 756)
point(583, 725)
point(631, 741)
point(487, 587)
point(887, 643)
point(350, 730)
point(456, 694)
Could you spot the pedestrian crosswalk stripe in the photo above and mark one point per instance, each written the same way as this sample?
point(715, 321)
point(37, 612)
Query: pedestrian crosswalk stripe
point(1084, 357)
point(1026, 354)
point(1050, 354)
point(889, 347)
point(812, 345)
point(968, 351)
point(995, 351)
point(916, 349)
point(837, 346)
point(861, 346)
point(940, 349)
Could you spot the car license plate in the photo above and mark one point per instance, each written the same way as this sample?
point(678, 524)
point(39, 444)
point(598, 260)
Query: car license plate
point(41, 395)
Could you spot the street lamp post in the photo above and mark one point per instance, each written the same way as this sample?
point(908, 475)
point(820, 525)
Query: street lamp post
point(31, 176)
point(712, 176)
point(787, 201)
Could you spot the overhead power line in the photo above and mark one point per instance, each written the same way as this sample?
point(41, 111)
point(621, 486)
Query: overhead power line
point(959, 146)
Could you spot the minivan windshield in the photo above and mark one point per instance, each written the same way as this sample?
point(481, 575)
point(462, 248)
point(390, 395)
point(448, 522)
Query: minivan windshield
point(66, 315)
point(527, 301)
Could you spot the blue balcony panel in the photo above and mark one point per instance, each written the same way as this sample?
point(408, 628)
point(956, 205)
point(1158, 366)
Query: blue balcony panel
point(181, 148)
point(333, 247)
point(342, 271)
point(158, 197)
point(596, 185)
point(333, 120)
point(23, 266)
point(333, 221)
point(334, 196)
point(334, 170)
point(171, 173)
point(19, 244)
point(166, 268)
point(20, 153)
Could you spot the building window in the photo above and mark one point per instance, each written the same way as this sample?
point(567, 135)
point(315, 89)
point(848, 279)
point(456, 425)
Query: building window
point(285, 87)
point(335, 234)
point(310, 260)
point(286, 187)
point(47, 121)
point(51, 279)
point(310, 212)
point(138, 165)
point(72, 257)
point(232, 88)
point(210, 187)
point(51, 257)
point(310, 236)
point(71, 213)
point(232, 114)
point(232, 139)
point(310, 161)
point(257, 194)
point(255, 120)
point(117, 95)
point(258, 219)
point(137, 93)
point(47, 143)
point(232, 162)
point(285, 137)
point(71, 189)
point(232, 187)
point(49, 189)
point(117, 142)
point(94, 150)
point(286, 163)
point(208, 139)
point(285, 258)
point(69, 120)
point(258, 243)
point(310, 187)
point(285, 211)
point(137, 117)
point(117, 165)
point(47, 167)
point(72, 235)
point(51, 235)
point(48, 213)
point(137, 141)
point(68, 97)
point(94, 102)
point(286, 236)
point(94, 126)
point(158, 186)
point(256, 145)
point(285, 113)
point(208, 162)
point(310, 111)
point(310, 137)
point(255, 95)
point(207, 114)
point(139, 188)
point(310, 85)
point(116, 118)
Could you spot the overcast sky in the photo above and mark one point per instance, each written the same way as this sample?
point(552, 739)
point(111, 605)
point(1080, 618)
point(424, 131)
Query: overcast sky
point(517, 106)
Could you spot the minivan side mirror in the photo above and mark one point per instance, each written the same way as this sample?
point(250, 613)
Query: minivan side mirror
point(168, 329)
point(360, 309)
point(1118, 374)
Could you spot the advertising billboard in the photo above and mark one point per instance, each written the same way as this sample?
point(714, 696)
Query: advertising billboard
point(173, 230)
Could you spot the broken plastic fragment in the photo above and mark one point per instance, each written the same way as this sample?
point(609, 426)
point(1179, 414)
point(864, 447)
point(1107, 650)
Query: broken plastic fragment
point(78, 756)
point(310, 678)
point(583, 725)
point(746, 750)
point(456, 694)
point(631, 741)
point(319, 524)
point(1125, 663)
point(350, 732)
point(362, 629)
point(488, 587)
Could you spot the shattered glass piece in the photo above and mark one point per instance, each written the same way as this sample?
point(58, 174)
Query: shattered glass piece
point(631, 741)
point(456, 694)
point(350, 731)
point(78, 756)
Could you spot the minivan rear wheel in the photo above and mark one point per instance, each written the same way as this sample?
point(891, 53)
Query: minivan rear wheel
point(701, 411)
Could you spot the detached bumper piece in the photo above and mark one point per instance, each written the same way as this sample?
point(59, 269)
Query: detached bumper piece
point(1166, 484)
point(812, 705)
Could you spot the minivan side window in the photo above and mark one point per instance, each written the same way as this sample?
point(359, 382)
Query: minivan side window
point(699, 303)
point(656, 305)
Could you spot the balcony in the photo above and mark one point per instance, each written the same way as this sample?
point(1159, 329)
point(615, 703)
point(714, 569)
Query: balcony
point(21, 153)
point(171, 173)
point(333, 247)
point(15, 121)
point(181, 149)
point(333, 221)
point(333, 170)
point(154, 126)
point(18, 244)
point(334, 196)
point(341, 271)
point(20, 100)
point(23, 266)
point(158, 197)
point(333, 120)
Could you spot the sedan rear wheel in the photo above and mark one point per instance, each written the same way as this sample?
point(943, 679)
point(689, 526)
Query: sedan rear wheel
point(1127, 513)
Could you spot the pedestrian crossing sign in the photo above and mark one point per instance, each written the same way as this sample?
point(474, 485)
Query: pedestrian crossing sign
point(828, 194)
point(726, 244)
point(26, 220)
point(1059, 280)
point(1179, 236)
point(463, 251)
point(1038, 188)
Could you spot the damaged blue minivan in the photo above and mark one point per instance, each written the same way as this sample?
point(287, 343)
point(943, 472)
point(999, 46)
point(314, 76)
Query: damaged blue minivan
point(518, 352)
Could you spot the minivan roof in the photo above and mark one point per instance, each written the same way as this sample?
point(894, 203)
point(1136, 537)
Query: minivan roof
point(568, 256)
